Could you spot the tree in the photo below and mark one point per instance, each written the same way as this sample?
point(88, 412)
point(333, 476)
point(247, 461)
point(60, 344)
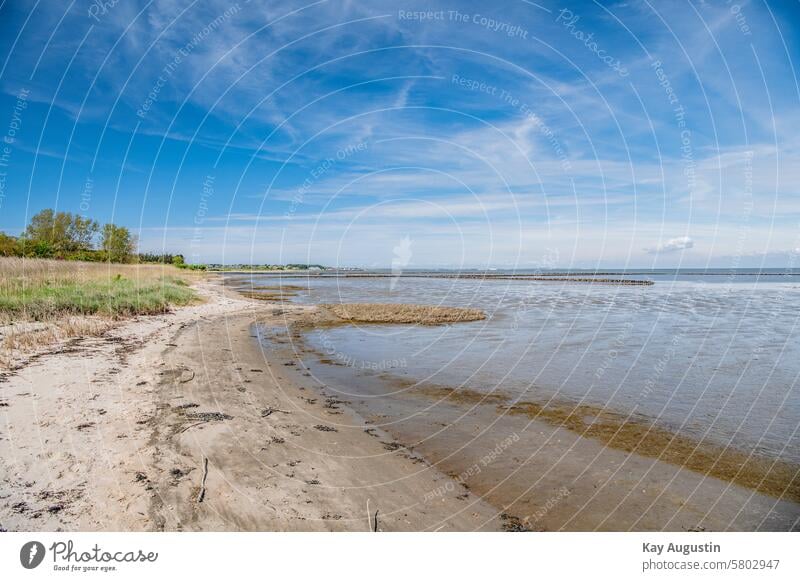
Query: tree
point(47, 227)
point(60, 231)
point(81, 233)
point(9, 246)
point(117, 242)
point(160, 258)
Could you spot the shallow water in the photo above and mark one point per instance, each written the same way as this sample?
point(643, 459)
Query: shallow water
point(716, 357)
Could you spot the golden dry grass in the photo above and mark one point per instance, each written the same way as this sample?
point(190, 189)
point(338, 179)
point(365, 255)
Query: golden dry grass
point(46, 301)
point(400, 313)
point(15, 272)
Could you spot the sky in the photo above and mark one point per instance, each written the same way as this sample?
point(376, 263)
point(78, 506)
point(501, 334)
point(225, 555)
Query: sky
point(458, 134)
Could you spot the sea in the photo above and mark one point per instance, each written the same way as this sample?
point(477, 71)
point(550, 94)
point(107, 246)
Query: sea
point(712, 354)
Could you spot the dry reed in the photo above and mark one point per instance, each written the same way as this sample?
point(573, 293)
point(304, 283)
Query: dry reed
point(48, 301)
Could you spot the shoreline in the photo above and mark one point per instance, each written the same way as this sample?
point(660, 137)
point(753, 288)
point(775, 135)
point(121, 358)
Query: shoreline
point(569, 468)
point(211, 418)
point(184, 421)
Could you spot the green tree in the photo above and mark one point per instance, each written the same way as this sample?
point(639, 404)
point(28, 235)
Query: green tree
point(81, 233)
point(48, 227)
point(9, 246)
point(117, 242)
point(160, 258)
point(60, 231)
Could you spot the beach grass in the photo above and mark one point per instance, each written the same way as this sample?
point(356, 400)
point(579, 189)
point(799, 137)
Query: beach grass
point(41, 290)
point(120, 297)
point(45, 301)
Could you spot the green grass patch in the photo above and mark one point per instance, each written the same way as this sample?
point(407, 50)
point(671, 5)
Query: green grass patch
point(118, 297)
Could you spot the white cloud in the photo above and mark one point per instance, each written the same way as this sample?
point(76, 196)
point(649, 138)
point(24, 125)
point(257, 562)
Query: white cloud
point(672, 245)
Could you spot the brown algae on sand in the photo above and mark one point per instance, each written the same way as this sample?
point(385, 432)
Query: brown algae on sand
point(400, 313)
point(776, 478)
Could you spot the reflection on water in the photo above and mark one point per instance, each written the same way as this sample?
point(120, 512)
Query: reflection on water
point(712, 356)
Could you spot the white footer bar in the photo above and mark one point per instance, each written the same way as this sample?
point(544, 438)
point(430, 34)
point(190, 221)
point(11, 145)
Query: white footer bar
point(407, 556)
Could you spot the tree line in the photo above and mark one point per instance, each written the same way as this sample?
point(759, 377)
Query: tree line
point(67, 236)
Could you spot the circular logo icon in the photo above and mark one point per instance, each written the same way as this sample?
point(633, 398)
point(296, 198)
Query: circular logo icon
point(31, 554)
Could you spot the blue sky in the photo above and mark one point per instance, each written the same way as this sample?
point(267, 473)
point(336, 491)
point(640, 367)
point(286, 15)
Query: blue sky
point(466, 134)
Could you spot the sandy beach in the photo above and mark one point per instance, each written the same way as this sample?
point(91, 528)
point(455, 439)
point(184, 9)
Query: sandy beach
point(182, 422)
point(211, 418)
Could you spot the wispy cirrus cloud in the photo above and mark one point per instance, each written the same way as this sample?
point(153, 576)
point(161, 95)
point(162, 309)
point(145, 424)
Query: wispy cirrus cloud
point(543, 145)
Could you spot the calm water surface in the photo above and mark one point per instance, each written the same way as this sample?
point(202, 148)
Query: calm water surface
point(711, 355)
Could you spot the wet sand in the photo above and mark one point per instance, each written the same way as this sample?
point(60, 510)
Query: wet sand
point(570, 467)
point(183, 422)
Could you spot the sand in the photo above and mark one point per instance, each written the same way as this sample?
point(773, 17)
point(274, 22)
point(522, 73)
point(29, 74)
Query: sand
point(183, 422)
